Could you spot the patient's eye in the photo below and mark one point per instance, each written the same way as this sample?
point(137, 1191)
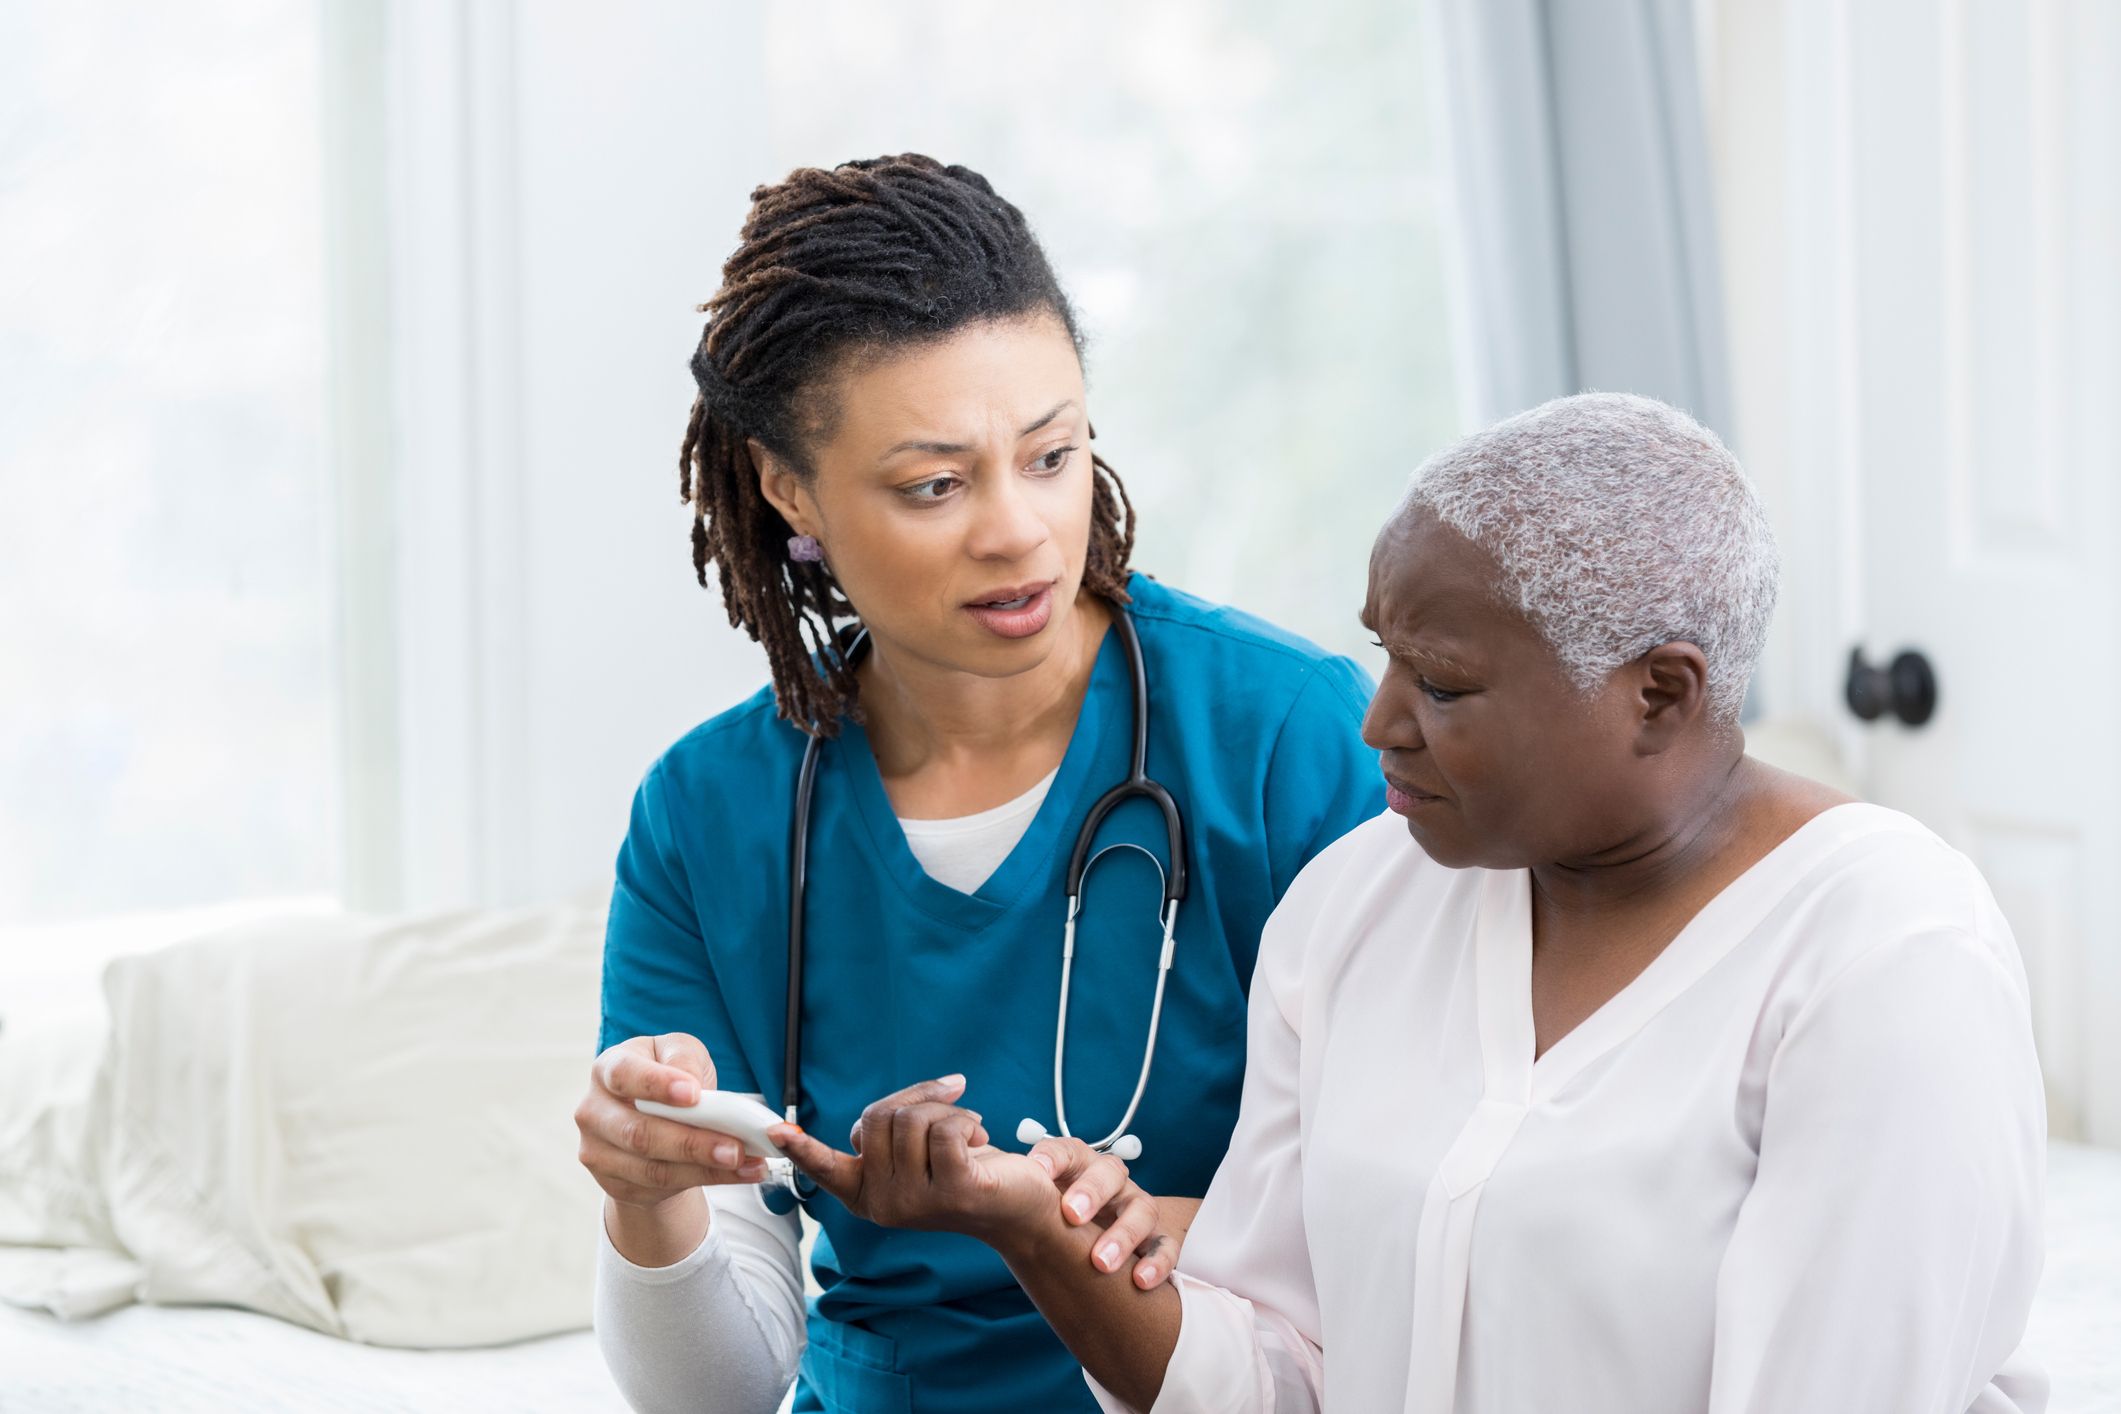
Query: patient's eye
point(1439, 694)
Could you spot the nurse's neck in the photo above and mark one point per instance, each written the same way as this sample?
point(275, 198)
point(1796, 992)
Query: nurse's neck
point(950, 742)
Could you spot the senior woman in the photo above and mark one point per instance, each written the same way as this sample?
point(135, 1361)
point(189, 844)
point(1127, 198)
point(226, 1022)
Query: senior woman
point(1612, 1070)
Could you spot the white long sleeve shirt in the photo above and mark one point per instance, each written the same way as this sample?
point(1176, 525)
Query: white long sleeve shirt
point(1795, 1166)
point(721, 1330)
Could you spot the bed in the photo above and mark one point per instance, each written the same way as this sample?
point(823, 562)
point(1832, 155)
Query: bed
point(213, 1360)
point(181, 1357)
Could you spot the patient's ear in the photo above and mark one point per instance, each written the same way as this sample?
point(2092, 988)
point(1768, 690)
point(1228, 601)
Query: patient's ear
point(1669, 689)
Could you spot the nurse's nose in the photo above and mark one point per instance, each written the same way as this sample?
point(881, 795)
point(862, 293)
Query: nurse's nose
point(1005, 524)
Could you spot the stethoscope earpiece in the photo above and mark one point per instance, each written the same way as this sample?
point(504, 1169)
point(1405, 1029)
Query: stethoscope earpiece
point(1126, 1148)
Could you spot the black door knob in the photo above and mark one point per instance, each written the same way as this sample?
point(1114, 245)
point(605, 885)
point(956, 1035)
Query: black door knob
point(1906, 687)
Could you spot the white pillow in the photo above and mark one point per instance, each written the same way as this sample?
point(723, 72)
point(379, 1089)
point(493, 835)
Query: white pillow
point(52, 1037)
point(360, 1125)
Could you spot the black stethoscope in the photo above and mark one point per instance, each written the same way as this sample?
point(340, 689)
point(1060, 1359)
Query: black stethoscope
point(1137, 784)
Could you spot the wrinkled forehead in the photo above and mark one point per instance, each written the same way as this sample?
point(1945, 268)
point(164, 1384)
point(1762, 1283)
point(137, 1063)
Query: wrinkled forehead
point(1424, 572)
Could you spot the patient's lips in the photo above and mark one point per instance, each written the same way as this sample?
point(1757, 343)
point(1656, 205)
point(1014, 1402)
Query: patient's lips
point(1405, 799)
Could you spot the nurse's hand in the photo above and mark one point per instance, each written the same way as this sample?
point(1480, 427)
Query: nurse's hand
point(1096, 1191)
point(921, 1162)
point(643, 1160)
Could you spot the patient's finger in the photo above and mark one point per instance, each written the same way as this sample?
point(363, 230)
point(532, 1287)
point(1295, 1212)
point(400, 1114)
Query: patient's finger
point(838, 1174)
point(872, 1136)
point(1095, 1181)
point(951, 1142)
point(1157, 1257)
point(909, 1136)
point(1130, 1222)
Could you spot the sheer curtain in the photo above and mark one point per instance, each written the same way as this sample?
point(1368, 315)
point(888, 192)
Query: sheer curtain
point(1586, 250)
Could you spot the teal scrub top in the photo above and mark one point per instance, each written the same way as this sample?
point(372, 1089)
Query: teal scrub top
point(1254, 731)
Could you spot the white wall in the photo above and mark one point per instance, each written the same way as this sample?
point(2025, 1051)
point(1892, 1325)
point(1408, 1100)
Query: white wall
point(1921, 207)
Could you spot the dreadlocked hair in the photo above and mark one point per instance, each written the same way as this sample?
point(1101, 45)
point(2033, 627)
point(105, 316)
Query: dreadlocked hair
point(867, 257)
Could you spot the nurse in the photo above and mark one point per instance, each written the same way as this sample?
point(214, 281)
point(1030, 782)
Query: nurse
point(892, 430)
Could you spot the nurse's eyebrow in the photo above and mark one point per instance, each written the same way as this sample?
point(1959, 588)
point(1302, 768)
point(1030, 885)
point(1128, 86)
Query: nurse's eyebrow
point(1058, 408)
point(951, 449)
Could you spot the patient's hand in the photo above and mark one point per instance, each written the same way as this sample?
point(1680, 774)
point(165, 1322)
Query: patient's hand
point(919, 1161)
point(1097, 1193)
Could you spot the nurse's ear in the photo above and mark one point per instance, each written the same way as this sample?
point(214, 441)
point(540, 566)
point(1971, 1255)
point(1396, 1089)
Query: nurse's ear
point(783, 489)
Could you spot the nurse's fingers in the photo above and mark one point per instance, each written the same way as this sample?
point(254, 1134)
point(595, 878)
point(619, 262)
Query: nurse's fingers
point(838, 1174)
point(687, 1053)
point(607, 1161)
point(651, 1136)
point(630, 1071)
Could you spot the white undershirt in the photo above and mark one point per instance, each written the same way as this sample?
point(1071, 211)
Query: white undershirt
point(965, 852)
point(721, 1330)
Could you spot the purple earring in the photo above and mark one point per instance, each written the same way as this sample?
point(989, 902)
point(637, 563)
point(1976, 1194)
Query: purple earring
point(804, 549)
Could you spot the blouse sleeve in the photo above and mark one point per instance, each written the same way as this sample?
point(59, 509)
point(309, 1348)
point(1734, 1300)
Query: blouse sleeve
point(1256, 1352)
point(1886, 1256)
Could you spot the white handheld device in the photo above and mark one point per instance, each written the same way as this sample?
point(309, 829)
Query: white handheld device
point(738, 1116)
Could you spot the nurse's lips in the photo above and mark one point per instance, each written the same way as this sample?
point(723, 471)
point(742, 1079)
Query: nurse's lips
point(1404, 799)
point(1015, 611)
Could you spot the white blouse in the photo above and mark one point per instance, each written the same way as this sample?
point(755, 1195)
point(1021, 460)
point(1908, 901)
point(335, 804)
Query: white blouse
point(1795, 1166)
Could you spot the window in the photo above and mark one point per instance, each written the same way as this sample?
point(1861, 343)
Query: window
point(166, 693)
point(1243, 201)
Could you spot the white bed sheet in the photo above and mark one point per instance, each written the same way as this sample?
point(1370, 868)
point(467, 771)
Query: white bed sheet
point(2076, 1321)
point(214, 1360)
point(185, 1359)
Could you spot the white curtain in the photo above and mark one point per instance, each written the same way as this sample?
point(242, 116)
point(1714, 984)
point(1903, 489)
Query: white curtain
point(1586, 250)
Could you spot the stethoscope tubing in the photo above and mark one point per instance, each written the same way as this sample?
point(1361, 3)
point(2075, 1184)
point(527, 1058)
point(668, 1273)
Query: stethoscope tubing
point(1138, 785)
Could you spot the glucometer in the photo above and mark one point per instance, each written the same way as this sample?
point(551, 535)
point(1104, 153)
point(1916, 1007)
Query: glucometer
point(738, 1116)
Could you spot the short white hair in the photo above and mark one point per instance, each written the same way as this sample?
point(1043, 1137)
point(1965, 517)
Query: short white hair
point(1619, 524)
